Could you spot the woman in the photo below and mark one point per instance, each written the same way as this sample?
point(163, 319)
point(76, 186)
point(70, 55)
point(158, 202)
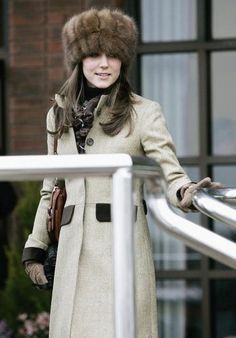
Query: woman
point(96, 112)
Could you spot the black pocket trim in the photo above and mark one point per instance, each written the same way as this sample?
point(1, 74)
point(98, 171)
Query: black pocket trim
point(145, 207)
point(67, 214)
point(103, 212)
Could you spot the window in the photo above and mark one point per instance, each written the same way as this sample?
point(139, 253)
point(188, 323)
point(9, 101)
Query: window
point(168, 20)
point(223, 74)
point(172, 80)
point(1, 23)
point(2, 132)
point(2, 80)
point(186, 62)
point(176, 298)
point(224, 23)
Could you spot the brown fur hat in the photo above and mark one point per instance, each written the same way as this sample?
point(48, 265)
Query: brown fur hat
point(99, 31)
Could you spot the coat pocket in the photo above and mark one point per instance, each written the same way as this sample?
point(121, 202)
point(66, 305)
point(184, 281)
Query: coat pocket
point(67, 214)
point(103, 212)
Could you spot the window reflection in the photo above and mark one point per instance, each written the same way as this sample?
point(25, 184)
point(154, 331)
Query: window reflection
point(179, 309)
point(226, 175)
point(223, 65)
point(1, 109)
point(172, 80)
point(1, 23)
point(165, 20)
point(223, 302)
point(227, 232)
point(168, 252)
point(223, 19)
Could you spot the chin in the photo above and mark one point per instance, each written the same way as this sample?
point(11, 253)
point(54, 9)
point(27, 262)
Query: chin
point(103, 85)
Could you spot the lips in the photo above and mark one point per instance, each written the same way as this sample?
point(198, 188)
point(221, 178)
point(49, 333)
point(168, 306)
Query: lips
point(103, 74)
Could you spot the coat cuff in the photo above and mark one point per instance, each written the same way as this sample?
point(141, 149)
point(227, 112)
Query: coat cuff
point(33, 254)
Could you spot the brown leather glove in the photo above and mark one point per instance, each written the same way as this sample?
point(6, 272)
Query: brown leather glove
point(188, 189)
point(36, 272)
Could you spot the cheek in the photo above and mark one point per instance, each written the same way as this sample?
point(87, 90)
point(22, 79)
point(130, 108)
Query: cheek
point(117, 67)
point(88, 66)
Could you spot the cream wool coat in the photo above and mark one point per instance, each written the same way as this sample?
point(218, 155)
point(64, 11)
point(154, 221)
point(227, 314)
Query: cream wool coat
point(82, 299)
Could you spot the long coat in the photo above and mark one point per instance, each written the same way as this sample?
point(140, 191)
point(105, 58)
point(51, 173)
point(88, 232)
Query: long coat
point(82, 299)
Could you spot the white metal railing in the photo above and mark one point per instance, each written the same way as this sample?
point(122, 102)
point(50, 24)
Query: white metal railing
point(123, 168)
point(215, 207)
point(227, 195)
point(193, 235)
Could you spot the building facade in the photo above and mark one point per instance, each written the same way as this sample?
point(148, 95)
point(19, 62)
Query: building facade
point(186, 61)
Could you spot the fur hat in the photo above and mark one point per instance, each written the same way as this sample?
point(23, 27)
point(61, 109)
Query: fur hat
point(99, 31)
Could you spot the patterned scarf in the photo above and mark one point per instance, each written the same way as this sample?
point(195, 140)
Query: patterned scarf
point(83, 121)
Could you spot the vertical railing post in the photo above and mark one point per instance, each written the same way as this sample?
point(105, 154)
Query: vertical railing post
point(123, 254)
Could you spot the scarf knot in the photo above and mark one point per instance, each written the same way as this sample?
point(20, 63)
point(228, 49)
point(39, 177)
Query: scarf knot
point(83, 116)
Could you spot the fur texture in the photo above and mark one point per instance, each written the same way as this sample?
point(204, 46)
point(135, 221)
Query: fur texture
point(99, 31)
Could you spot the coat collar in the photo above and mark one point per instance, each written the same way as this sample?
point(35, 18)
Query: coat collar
point(60, 100)
point(70, 145)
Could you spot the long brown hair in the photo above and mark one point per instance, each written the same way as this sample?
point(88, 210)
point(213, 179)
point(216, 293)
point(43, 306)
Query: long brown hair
point(119, 103)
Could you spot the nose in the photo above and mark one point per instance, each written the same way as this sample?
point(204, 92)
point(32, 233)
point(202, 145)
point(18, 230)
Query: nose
point(104, 61)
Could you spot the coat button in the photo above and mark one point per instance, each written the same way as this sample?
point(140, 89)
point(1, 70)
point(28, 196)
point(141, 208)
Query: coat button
point(90, 141)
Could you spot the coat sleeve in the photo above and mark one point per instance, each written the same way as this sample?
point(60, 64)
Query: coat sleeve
point(157, 144)
point(37, 242)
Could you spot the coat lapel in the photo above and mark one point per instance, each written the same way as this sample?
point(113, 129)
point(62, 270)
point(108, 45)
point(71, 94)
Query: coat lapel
point(67, 143)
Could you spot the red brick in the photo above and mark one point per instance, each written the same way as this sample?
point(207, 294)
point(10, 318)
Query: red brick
point(55, 60)
point(27, 12)
point(35, 67)
point(54, 32)
point(26, 82)
point(24, 35)
point(55, 18)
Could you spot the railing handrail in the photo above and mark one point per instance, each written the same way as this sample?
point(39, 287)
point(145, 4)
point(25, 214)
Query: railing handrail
point(193, 235)
point(36, 167)
point(214, 208)
point(122, 167)
point(227, 195)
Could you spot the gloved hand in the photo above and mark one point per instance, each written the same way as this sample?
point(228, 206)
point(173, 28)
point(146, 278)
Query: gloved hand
point(188, 189)
point(36, 272)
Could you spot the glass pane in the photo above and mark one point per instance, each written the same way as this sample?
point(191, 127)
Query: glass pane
point(1, 23)
point(223, 19)
point(223, 302)
point(179, 309)
point(223, 70)
point(168, 252)
point(166, 20)
point(172, 80)
point(1, 108)
point(226, 175)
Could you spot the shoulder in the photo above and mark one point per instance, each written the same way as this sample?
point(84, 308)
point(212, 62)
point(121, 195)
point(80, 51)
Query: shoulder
point(60, 102)
point(50, 115)
point(146, 108)
point(142, 103)
point(50, 119)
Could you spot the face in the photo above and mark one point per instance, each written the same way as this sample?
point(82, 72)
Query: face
point(101, 71)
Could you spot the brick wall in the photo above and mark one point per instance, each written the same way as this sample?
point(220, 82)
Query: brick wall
point(35, 67)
